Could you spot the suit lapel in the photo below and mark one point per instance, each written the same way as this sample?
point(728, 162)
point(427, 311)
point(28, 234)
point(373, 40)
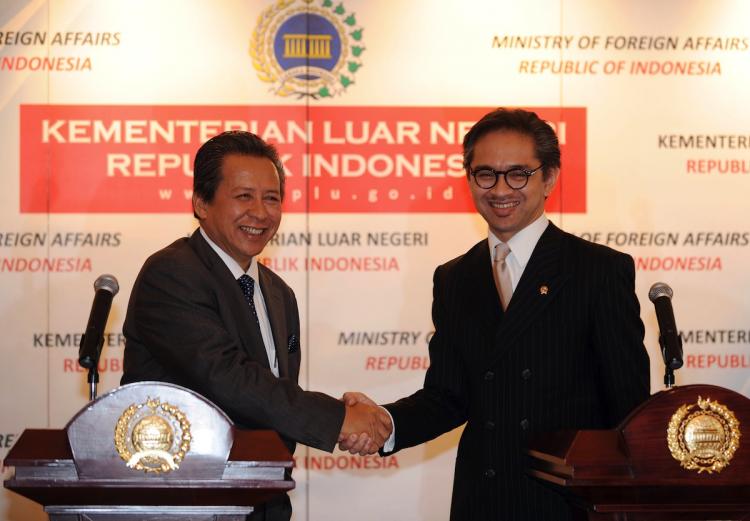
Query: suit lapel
point(481, 298)
point(248, 330)
point(540, 283)
point(275, 306)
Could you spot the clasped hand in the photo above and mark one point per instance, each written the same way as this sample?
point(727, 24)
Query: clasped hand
point(366, 425)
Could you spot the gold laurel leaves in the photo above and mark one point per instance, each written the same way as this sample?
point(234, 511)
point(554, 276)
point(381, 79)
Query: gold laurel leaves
point(262, 50)
point(258, 44)
point(121, 432)
point(679, 448)
point(124, 429)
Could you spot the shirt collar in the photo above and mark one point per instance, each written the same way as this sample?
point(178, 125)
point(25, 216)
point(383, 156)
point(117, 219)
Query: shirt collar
point(522, 244)
point(232, 264)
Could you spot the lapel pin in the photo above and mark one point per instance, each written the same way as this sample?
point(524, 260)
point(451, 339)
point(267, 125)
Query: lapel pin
point(543, 290)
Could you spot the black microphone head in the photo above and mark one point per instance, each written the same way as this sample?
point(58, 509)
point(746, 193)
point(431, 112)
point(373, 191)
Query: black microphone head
point(107, 282)
point(660, 289)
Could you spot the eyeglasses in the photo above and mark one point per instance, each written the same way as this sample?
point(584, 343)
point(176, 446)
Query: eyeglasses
point(516, 178)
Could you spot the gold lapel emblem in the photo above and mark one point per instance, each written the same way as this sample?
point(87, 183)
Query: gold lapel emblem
point(703, 436)
point(153, 437)
point(543, 289)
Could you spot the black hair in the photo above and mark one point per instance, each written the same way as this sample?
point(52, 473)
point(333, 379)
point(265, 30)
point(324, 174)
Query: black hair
point(210, 157)
point(546, 145)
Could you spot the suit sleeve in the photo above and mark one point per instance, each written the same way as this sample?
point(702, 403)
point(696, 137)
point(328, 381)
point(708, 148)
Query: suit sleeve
point(441, 405)
point(179, 325)
point(618, 339)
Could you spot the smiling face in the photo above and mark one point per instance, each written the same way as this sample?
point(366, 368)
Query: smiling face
point(245, 211)
point(508, 211)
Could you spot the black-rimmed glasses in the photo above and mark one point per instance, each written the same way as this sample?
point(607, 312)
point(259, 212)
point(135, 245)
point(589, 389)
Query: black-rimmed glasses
point(516, 178)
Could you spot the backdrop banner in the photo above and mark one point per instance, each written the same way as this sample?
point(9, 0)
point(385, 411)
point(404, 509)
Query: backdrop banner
point(104, 104)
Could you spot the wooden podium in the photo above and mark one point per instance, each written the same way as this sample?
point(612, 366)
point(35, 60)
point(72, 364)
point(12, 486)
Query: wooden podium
point(682, 455)
point(149, 451)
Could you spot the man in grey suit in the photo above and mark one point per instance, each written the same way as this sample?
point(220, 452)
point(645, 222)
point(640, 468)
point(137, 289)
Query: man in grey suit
point(535, 330)
point(205, 315)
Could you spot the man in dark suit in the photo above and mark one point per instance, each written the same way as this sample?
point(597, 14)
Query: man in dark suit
point(535, 330)
point(205, 315)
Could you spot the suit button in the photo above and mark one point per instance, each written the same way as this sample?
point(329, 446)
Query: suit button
point(489, 425)
point(526, 374)
point(524, 424)
point(489, 473)
point(489, 375)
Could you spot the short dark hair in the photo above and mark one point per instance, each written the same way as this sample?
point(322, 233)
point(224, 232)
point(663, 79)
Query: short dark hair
point(210, 156)
point(546, 145)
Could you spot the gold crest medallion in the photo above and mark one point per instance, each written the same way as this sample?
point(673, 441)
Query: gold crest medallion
point(703, 436)
point(153, 437)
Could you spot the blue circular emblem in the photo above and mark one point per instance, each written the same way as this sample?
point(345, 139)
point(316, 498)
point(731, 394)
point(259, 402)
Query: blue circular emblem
point(307, 40)
point(307, 48)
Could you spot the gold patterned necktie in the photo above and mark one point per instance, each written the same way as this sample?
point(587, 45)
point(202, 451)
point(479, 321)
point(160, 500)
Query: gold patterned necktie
point(502, 274)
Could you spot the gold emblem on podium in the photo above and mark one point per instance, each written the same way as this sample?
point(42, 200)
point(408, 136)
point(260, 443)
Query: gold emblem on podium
point(153, 437)
point(703, 436)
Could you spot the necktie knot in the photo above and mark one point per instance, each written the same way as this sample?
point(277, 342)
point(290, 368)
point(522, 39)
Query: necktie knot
point(502, 250)
point(247, 284)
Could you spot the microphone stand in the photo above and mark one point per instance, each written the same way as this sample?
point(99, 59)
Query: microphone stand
point(668, 371)
point(93, 376)
point(668, 377)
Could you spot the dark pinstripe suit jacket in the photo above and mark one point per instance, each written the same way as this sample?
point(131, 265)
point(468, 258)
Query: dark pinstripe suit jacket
point(570, 356)
point(189, 324)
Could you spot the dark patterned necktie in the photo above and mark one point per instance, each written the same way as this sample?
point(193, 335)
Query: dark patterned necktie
point(247, 285)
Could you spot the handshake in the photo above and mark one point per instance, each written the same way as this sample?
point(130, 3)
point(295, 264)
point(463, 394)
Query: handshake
point(366, 426)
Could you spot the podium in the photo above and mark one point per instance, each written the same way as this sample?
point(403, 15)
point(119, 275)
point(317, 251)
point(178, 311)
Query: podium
point(684, 454)
point(147, 451)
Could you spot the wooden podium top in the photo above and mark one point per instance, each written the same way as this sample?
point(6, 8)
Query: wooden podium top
point(682, 454)
point(44, 446)
point(149, 445)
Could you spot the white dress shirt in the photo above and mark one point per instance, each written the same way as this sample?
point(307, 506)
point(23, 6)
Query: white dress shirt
point(522, 245)
point(260, 303)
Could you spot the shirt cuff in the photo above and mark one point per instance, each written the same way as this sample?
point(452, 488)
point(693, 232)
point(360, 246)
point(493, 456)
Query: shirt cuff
point(391, 441)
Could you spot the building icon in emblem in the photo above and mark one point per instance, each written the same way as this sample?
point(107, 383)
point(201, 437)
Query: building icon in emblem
point(306, 48)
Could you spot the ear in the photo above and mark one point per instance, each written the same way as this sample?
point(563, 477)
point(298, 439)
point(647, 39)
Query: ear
point(199, 206)
point(551, 181)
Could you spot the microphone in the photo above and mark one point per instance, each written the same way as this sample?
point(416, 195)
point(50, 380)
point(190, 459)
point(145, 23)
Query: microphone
point(669, 339)
point(106, 288)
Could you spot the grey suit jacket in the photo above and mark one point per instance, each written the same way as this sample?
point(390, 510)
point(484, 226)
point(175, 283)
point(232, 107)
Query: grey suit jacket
point(567, 354)
point(188, 323)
